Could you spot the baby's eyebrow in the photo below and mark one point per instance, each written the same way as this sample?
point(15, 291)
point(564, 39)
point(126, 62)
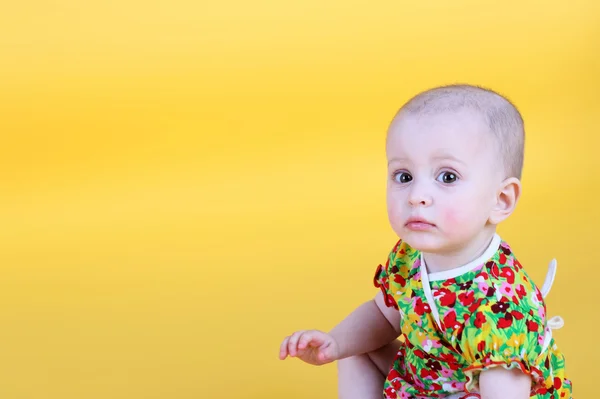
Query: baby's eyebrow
point(438, 158)
point(447, 157)
point(397, 159)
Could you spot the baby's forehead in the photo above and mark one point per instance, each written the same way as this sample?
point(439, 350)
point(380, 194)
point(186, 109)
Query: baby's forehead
point(460, 135)
point(463, 120)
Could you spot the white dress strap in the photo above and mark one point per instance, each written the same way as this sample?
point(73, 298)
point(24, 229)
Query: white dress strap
point(556, 322)
point(428, 294)
point(550, 275)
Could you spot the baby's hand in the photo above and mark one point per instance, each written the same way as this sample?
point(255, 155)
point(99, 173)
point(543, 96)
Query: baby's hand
point(311, 346)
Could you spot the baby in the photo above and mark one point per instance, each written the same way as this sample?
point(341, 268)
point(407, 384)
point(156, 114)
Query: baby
point(470, 321)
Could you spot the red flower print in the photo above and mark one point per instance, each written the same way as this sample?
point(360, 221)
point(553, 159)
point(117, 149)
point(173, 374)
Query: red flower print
point(474, 306)
point(426, 373)
point(494, 270)
point(390, 301)
point(557, 383)
point(483, 274)
point(502, 259)
point(505, 322)
point(450, 320)
point(508, 274)
point(377, 275)
point(400, 280)
point(517, 315)
point(466, 298)
point(419, 353)
point(449, 282)
point(452, 364)
point(396, 383)
point(520, 290)
point(390, 393)
point(413, 370)
point(446, 297)
point(505, 249)
point(518, 265)
point(538, 295)
point(393, 374)
point(421, 307)
point(532, 326)
point(479, 319)
point(436, 387)
point(447, 358)
point(480, 346)
point(384, 284)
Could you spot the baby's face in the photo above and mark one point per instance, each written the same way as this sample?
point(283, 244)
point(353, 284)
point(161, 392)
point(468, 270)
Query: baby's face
point(443, 177)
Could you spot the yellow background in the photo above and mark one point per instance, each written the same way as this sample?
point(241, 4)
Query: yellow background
point(184, 183)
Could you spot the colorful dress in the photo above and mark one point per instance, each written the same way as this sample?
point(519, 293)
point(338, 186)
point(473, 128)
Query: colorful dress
point(460, 322)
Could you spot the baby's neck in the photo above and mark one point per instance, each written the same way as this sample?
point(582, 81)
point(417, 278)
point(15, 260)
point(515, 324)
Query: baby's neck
point(455, 258)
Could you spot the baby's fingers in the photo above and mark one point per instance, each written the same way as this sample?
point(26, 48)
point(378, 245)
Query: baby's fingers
point(283, 349)
point(312, 338)
point(293, 343)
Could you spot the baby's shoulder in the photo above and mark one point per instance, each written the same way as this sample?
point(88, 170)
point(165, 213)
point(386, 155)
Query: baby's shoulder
point(403, 260)
point(505, 275)
point(505, 291)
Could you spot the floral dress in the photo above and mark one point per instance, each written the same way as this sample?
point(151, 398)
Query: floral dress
point(460, 322)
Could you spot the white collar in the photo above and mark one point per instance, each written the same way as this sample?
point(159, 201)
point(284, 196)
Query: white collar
point(457, 271)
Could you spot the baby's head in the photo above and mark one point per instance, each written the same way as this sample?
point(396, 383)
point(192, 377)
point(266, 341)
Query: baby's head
point(455, 155)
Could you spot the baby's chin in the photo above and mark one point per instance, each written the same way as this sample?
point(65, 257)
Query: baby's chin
point(424, 241)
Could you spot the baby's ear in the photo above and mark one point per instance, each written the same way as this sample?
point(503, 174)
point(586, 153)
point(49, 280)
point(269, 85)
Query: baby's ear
point(507, 197)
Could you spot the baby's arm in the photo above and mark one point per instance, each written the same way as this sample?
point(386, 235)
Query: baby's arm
point(500, 383)
point(369, 327)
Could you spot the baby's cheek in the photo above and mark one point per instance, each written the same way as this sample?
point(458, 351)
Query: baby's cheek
point(395, 216)
point(453, 218)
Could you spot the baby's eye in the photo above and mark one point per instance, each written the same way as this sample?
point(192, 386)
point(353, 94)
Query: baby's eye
point(402, 177)
point(447, 177)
